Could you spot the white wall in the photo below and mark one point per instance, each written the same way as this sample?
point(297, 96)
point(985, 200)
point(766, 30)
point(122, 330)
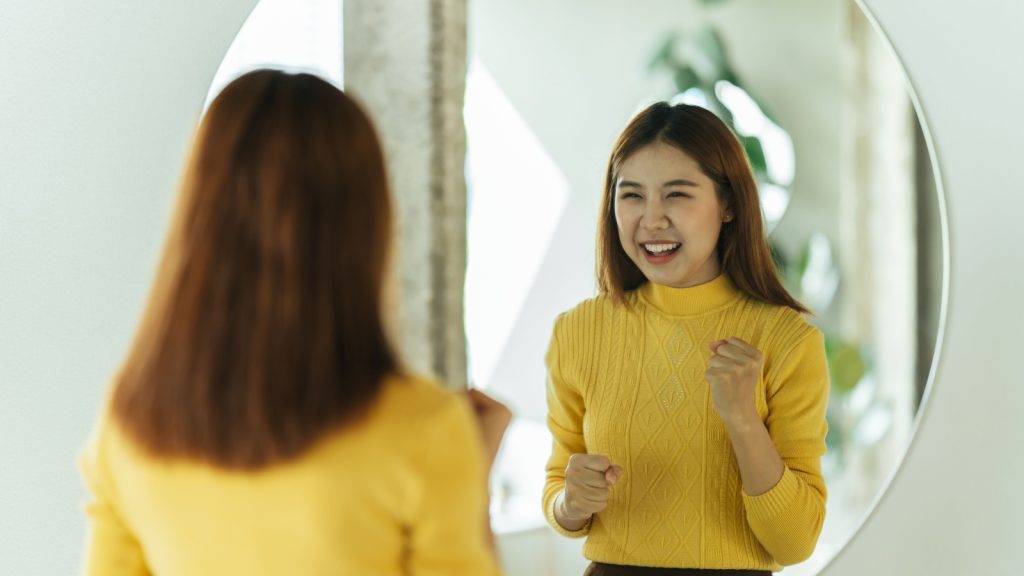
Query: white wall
point(96, 104)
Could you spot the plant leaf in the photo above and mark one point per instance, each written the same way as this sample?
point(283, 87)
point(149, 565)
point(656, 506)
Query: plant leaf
point(685, 78)
point(845, 364)
point(755, 152)
point(663, 55)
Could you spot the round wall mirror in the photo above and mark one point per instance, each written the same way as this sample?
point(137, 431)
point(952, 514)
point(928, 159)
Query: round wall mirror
point(847, 186)
point(850, 197)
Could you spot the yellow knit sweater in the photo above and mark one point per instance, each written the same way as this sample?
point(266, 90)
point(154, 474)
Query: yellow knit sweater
point(401, 492)
point(628, 383)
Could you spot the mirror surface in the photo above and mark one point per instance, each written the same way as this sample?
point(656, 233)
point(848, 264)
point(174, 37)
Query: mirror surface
point(845, 178)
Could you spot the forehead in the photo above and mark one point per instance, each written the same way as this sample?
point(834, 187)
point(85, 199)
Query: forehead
point(658, 160)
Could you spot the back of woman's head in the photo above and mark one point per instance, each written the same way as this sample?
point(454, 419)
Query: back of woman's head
point(264, 326)
point(742, 243)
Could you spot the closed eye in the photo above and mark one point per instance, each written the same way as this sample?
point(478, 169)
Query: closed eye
point(628, 194)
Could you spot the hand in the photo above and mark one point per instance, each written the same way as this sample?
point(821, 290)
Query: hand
point(588, 482)
point(733, 372)
point(493, 417)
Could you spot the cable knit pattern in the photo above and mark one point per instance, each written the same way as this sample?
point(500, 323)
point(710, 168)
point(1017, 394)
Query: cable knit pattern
point(628, 382)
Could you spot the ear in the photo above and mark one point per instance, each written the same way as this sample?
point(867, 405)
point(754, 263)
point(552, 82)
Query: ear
point(724, 208)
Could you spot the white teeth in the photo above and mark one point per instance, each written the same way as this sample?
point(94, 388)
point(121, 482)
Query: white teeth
point(661, 248)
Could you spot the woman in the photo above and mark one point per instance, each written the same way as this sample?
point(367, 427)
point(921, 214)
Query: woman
point(687, 400)
point(262, 423)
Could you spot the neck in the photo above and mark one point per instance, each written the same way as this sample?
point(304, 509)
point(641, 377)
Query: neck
point(690, 300)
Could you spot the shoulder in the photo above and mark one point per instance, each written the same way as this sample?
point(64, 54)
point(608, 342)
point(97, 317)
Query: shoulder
point(781, 326)
point(793, 327)
point(581, 327)
point(590, 314)
point(429, 425)
point(587, 308)
point(787, 340)
point(412, 418)
point(417, 400)
point(107, 435)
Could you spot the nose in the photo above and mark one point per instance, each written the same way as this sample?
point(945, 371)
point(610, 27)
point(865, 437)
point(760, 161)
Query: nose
point(654, 217)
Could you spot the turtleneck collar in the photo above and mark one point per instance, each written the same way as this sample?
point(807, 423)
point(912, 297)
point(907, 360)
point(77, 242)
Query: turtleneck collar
point(690, 301)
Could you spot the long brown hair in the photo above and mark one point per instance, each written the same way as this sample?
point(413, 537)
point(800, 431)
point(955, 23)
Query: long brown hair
point(742, 242)
point(264, 327)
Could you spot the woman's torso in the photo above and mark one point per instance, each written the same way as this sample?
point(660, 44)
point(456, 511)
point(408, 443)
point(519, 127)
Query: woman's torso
point(648, 408)
point(352, 504)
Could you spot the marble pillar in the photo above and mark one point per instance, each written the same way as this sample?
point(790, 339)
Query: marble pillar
point(405, 61)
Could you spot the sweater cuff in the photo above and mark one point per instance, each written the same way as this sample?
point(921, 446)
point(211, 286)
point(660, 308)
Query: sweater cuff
point(549, 513)
point(776, 501)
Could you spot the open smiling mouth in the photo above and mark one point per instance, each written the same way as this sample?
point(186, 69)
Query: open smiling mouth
point(661, 249)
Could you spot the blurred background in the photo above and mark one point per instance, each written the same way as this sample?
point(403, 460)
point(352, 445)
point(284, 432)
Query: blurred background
point(846, 182)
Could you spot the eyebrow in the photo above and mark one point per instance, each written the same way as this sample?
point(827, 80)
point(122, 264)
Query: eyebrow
point(676, 182)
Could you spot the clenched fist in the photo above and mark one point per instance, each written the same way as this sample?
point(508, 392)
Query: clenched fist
point(733, 372)
point(588, 481)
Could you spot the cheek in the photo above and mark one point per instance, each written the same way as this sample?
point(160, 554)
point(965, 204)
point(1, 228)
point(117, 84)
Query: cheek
point(711, 216)
point(625, 222)
point(712, 232)
point(704, 225)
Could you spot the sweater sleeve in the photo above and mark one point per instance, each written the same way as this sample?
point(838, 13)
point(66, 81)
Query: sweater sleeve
point(111, 549)
point(449, 535)
point(565, 421)
point(787, 519)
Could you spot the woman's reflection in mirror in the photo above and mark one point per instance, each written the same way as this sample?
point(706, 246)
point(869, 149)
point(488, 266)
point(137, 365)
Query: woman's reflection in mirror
point(687, 400)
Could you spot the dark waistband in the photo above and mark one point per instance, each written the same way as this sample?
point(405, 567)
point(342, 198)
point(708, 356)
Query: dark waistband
point(601, 569)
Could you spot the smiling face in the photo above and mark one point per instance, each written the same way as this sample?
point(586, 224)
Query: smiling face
point(669, 216)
